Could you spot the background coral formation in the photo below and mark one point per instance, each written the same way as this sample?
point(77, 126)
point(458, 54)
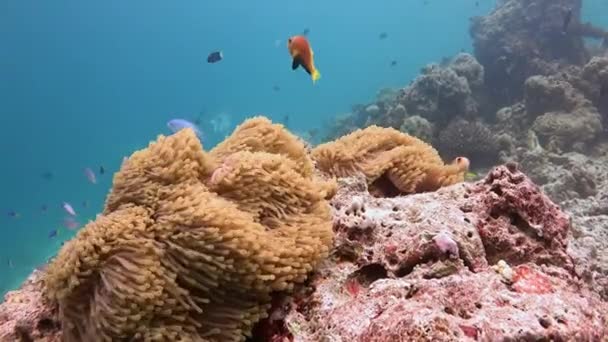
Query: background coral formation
point(191, 244)
point(520, 39)
point(528, 85)
point(469, 138)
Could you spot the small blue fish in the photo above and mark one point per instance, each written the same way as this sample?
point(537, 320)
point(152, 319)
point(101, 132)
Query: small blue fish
point(14, 214)
point(52, 233)
point(179, 124)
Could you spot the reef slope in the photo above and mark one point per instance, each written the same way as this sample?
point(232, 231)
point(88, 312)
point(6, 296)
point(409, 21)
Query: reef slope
point(479, 261)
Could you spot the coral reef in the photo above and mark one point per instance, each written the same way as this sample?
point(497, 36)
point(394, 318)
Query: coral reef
point(441, 92)
point(191, 244)
point(202, 245)
point(551, 102)
point(517, 222)
point(419, 268)
point(463, 307)
point(392, 162)
point(344, 123)
point(529, 69)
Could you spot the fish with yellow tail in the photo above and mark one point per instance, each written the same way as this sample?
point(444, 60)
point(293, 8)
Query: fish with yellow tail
point(302, 55)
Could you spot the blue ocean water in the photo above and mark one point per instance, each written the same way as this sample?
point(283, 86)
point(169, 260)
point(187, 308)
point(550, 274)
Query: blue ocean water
point(84, 83)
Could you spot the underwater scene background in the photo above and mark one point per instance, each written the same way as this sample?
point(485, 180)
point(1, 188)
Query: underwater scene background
point(84, 83)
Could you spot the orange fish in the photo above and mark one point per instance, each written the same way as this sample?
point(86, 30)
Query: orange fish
point(302, 54)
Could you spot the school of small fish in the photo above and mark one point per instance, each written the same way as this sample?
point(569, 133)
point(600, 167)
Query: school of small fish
point(70, 221)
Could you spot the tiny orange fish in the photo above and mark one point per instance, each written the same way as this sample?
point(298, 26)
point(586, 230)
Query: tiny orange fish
point(302, 54)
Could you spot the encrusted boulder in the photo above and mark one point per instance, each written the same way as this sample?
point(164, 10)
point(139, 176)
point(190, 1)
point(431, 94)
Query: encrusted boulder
point(486, 261)
point(26, 316)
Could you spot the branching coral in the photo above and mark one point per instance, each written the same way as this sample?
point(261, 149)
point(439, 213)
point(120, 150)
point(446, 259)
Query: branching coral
point(191, 245)
point(388, 157)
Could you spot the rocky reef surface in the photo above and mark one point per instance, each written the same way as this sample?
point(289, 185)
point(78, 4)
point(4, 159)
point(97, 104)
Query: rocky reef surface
point(532, 92)
point(26, 316)
point(579, 183)
point(490, 260)
point(483, 261)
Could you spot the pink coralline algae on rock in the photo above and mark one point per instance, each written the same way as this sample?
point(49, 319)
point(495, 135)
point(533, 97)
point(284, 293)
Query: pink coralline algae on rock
point(24, 316)
point(394, 276)
point(516, 221)
point(446, 244)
